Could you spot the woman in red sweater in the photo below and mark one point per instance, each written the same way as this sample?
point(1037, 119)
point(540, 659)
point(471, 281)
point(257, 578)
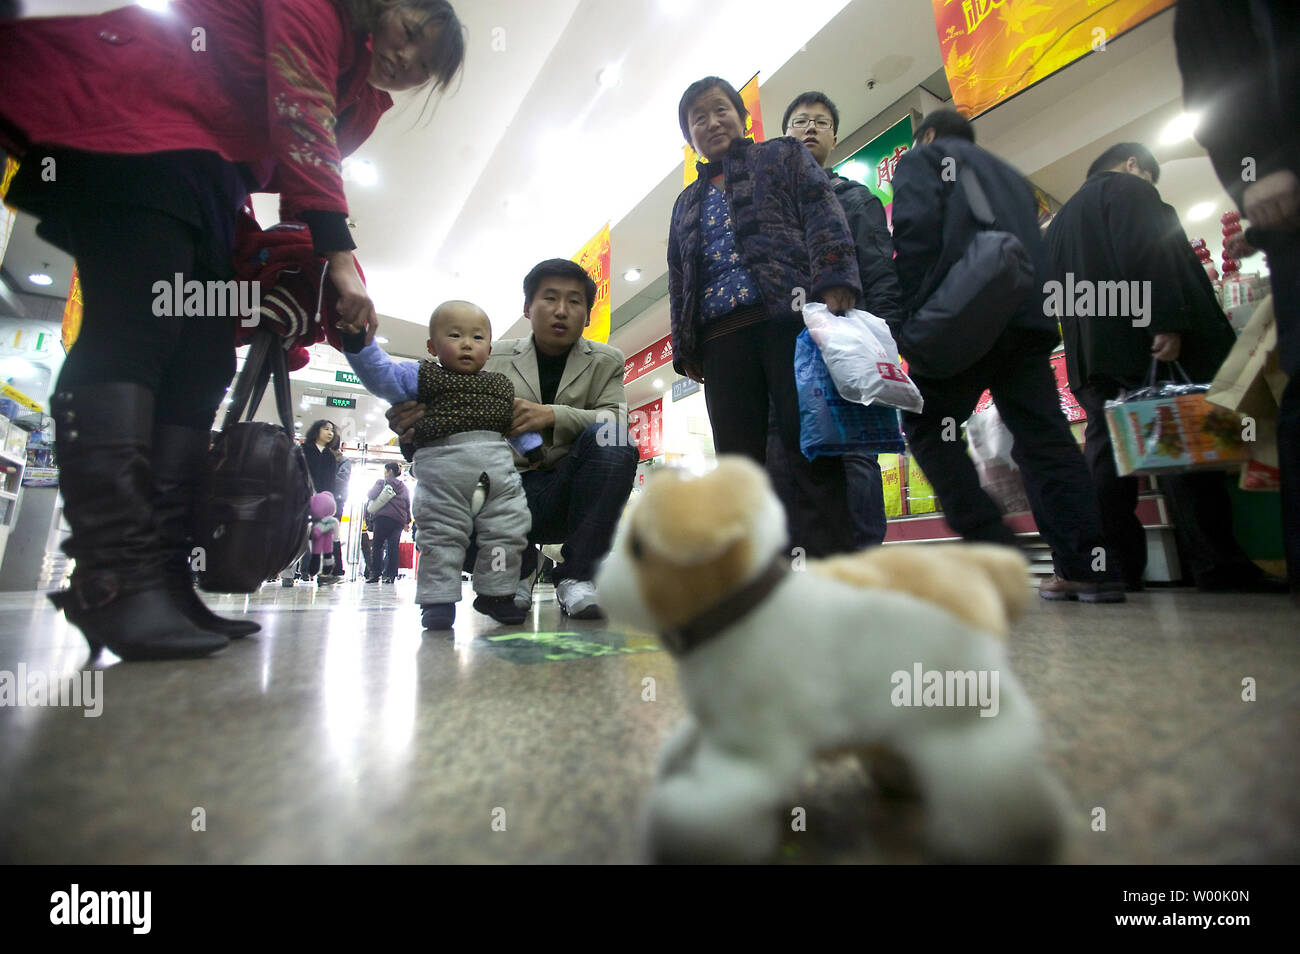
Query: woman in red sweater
point(141, 134)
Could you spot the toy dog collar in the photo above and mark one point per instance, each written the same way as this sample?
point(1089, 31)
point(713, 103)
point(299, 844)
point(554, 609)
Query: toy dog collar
point(734, 608)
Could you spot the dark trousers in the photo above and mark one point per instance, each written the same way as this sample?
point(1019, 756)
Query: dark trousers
point(384, 553)
point(1057, 482)
point(578, 503)
point(1199, 508)
point(747, 372)
point(1284, 267)
point(186, 362)
point(865, 492)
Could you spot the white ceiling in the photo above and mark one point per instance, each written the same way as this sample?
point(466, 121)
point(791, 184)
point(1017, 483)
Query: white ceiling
point(531, 155)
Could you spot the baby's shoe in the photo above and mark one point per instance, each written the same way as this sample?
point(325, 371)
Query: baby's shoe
point(437, 615)
point(500, 608)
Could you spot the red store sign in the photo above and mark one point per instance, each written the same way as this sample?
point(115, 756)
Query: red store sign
point(643, 362)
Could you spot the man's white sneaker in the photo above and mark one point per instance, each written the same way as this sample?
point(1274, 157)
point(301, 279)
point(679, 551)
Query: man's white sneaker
point(578, 599)
point(524, 594)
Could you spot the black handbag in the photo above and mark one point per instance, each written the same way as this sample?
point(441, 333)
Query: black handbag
point(976, 300)
point(256, 518)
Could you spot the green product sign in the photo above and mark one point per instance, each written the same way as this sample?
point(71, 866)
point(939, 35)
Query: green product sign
point(346, 377)
point(873, 164)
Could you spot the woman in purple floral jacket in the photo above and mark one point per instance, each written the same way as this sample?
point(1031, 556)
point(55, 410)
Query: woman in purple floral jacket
point(759, 233)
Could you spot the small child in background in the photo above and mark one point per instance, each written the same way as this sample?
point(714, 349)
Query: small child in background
point(460, 447)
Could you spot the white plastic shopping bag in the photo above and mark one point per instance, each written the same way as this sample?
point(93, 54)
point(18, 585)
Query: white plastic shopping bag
point(862, 358)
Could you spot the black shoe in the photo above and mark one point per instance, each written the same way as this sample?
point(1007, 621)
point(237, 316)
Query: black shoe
point(388, 579)
point(500, 608)
point(180, 470)
point(372, 579)
point(437, 615)
point(120, 595)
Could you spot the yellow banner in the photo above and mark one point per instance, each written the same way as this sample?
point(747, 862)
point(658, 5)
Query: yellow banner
point(72, 312)
point(594, 259)
point(753, 128)
point(993, 49)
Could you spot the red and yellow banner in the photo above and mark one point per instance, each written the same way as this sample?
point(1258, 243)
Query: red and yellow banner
point(993, 49)
point(753, 128)
point(594, 259)
point(7, 215)
point(72, 312)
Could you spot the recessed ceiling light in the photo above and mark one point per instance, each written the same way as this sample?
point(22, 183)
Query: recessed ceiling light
point(1201, 210)
point(609, 77)
point(1179, 128)
point(632, 275)
point(361, 171)
point(40, 278)
point(657, 384)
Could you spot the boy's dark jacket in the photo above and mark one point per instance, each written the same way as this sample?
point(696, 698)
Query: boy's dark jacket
point(788, 226)
point(870, 231)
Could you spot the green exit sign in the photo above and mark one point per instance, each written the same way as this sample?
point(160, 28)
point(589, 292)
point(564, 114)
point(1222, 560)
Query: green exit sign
point(346, 377)
point(343, 402)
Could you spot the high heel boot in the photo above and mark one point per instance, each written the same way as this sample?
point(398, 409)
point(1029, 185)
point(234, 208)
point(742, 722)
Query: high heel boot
point(180, 470)
point(118, 596)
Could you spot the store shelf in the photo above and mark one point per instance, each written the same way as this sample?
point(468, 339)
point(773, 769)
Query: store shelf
point(14, 459)
point(6, 495)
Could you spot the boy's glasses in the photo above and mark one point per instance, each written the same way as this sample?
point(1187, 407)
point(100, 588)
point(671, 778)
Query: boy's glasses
point(803, 121)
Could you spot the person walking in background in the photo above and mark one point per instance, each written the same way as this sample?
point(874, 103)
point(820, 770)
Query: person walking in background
point(934, 226)
point(815, 121)
point(321, 449)
point(1117, 230)
point(1241, 74)
point(757, 233)
point(388, 520)
point(154, 147)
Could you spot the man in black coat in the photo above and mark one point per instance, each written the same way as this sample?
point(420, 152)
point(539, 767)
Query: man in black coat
point(1129, 289)
point(813, 119)
point(1241, 72)
point(933, 227)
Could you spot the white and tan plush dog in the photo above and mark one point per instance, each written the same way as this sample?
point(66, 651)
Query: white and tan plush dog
point(896, 651)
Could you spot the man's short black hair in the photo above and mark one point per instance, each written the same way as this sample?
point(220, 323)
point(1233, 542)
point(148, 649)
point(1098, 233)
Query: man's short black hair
point(946, 122)
point(698, 89)
point(807, 99)
point(558, 268)
point(1120, 153)
point(393, 468)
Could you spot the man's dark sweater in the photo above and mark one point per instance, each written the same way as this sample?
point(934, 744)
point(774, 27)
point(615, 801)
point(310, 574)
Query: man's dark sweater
point(550, 369)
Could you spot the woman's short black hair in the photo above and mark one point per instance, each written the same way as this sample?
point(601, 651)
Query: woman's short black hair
point(313, 432)
point(698, 89)
point(394, 468)
point(1120, 153)
point(558, 268)
point(946, 122)
point(808, 99)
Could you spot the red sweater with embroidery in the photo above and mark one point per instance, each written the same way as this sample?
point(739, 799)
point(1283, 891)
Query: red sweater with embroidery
point(278, 84)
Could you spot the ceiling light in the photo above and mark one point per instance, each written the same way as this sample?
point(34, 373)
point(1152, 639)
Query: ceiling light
point(361, 171)
point(1201, 210)
point(657, 384)
point(609, 77)
point(381, 339)
point(40, 278)
point(153, 4)
point(632, 275)
point(1179, 128)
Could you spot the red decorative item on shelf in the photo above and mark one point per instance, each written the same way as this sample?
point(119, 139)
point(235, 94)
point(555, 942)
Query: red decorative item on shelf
point(1203, 256)
point(1231, 222)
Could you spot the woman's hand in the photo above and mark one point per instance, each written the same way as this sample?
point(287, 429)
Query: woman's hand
point(356, 310)
point(1167, 347)
point(1273, 203)
point(840, 299)
point(694, 370)
point(402, 418)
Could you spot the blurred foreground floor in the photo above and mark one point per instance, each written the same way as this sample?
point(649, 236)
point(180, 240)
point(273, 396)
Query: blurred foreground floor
point(341, 734)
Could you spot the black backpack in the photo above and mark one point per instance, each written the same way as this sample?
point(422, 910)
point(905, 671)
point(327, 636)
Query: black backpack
point(256, 519)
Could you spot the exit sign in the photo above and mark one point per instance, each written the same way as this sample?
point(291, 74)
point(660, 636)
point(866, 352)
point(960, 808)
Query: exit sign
point(344, 402)
point(346, 377)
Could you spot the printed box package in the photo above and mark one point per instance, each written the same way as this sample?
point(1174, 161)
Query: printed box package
point(1170, 428)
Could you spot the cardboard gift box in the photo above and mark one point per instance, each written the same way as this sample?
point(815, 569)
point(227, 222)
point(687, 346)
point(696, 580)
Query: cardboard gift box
point(1175, 431)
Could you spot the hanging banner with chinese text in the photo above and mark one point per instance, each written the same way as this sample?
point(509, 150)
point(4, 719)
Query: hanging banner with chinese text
point(594, 259)
point(753, 128)
point(994, 49)
point(873, 165)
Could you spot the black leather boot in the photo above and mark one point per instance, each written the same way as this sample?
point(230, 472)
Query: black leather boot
point(180, 468)
point(118, 597)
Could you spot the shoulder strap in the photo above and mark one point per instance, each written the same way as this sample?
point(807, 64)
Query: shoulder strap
point(975, 197)
point(265, 364)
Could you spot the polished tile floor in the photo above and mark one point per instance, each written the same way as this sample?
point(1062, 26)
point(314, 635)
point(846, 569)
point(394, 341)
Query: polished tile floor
point(342, 734)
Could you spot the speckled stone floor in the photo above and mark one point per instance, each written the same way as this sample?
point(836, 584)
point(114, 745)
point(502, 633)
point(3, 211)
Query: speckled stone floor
point(342, 734)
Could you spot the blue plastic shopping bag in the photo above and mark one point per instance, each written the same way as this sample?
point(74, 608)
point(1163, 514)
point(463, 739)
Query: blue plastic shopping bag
point(830, 425)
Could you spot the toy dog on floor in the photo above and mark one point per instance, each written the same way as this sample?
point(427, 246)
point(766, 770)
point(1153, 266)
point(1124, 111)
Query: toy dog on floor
point(852, 654)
